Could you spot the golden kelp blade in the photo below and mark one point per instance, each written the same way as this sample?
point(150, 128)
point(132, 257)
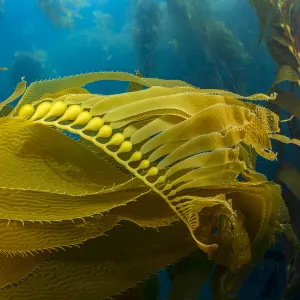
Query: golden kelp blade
point(286, 73)
point(285, 139)
point(70, 207)
point(260, 97)
point(40, 88)
point(63, 167)
point(155, 93)
point(42, 174)
point(28, 238)
point(257, 207)
point(260, 205)
point(21, 238)
point(289, 102)
point(20, 89)
point(65, 92)
point(105, 266)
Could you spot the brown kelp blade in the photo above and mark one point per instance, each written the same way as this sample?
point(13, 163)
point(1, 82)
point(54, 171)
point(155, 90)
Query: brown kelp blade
point(105, 266)
point(16, 268)
point(5, 110)
point(55, 175)
point(29, 238)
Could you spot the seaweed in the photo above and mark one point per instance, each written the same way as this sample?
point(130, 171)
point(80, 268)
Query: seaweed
point(63, 13)
point(145, 32)
point(205, 42)
point(171, 163)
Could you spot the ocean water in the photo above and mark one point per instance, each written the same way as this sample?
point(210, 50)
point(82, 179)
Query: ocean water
point(102, 38)
point(44, 39)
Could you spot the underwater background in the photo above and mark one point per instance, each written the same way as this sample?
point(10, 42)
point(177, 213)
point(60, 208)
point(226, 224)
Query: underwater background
point(209, 44)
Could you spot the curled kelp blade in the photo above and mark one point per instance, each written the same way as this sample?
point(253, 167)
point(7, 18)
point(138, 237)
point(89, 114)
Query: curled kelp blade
point(105, 266)
point(67, 91)
point(184, 104)
point(286, 73)
point(19, 90)
point(284, 139)
point(64, 93)
point(219, 226)
point(265, 202)
point(40, 88)
point(265, 199)
point(28, 238)
point(147, 211)
point(117, 100)
point(260, 204)
point(114, 102)
point(245, 235)
point(235, 247)
point(289, 102)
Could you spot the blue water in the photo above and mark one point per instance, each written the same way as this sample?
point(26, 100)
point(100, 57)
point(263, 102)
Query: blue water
point(24, 27)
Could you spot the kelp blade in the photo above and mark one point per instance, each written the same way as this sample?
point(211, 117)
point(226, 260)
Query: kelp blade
point(104, 266)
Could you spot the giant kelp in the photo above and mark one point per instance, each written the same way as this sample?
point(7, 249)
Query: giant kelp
point(170, 157)
point(231, 60)
point(145, 33)
point(279, 26)
point(62, 13)
point(207, 43)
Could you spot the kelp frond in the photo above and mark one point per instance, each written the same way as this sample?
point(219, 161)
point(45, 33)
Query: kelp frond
point(189, 155)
